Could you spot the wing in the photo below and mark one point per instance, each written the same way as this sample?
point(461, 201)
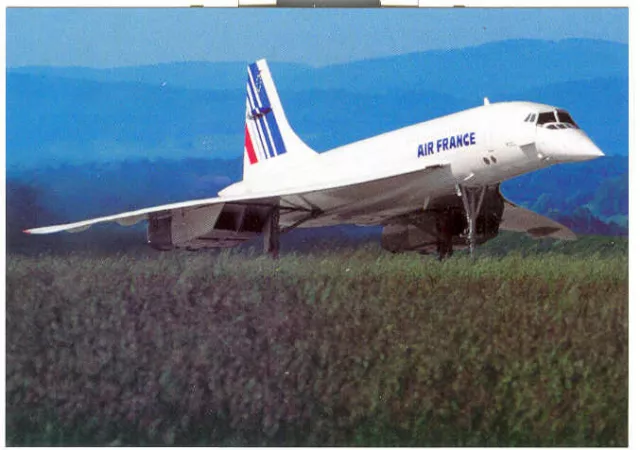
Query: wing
point(425, 230)
point(516, 218)
point(236, 218)
point(124, 219)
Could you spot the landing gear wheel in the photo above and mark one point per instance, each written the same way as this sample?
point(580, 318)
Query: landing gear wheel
point(445, 238)
point(445, 249)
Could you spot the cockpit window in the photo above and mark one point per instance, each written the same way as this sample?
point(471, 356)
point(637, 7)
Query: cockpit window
point(561, 120)
point(564, 117)
point(546, 117)
point(527, 118)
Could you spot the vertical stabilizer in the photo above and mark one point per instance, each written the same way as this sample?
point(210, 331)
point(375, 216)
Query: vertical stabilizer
point(270, 144)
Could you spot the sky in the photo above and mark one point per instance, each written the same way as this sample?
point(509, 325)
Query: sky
point(112, 37)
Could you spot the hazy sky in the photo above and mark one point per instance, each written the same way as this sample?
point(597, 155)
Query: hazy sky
point(98, 37)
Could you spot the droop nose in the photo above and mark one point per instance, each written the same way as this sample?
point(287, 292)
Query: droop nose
point(567, 145)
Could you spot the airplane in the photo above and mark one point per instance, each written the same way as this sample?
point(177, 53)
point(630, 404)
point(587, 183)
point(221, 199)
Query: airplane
point(433, 186)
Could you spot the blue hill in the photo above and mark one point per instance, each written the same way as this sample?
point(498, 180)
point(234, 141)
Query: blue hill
point(473, 72)
point(189, 75)
point(74, 114)
point(53, 120)
point(56, 120)
point(485, 70)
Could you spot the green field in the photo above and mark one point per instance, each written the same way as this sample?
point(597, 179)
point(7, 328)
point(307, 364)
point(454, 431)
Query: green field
point(346, 347)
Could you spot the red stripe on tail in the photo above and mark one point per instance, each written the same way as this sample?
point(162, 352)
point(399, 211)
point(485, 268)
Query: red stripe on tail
point(249, 146)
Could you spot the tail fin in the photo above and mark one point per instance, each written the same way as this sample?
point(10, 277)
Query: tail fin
point(270, 144)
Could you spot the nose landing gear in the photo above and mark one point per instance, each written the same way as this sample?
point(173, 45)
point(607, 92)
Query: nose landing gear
point(472, 198)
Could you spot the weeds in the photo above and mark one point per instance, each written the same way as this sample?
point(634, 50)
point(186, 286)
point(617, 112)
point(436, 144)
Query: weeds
point(335, 348)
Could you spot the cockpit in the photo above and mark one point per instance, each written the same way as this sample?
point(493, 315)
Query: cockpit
point(554, 120)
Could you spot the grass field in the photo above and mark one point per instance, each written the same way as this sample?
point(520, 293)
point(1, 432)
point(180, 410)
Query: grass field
point(337, 347)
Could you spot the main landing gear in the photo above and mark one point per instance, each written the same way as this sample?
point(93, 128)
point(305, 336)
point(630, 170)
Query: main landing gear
point(444, 229)
point(271, 229)
point(271, 232)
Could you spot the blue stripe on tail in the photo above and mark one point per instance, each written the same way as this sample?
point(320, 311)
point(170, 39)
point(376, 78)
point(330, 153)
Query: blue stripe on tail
point(269, 117)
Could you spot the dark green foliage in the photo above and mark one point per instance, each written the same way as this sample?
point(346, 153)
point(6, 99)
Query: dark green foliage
point(345, 348)
point(590, 197)
point(612, 197)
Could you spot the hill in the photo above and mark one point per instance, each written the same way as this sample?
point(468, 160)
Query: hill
point(79, 115)
point(474, 72)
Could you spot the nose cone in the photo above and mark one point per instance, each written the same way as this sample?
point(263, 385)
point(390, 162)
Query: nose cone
point(580, 148)
point(567, 145)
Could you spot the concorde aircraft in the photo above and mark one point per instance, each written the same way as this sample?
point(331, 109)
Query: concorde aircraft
point(433, 186)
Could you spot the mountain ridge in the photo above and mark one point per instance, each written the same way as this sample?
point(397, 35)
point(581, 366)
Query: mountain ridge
point(53, 119)
point(570, 55)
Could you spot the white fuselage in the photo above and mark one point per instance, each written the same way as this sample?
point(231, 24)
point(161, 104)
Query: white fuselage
point(482, 146)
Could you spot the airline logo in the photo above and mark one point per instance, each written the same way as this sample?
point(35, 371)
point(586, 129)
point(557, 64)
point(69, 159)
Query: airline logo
point(262, 137)
point(447, 143)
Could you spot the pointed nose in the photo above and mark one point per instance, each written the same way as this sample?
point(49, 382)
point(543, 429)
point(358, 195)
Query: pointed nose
point(567, 145)
point(580, 148)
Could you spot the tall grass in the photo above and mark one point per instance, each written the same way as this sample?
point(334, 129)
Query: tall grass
point(334, 348)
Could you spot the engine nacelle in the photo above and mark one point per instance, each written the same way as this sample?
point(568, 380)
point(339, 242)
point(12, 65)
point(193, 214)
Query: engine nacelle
point(216, 226)
point(422, 230)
